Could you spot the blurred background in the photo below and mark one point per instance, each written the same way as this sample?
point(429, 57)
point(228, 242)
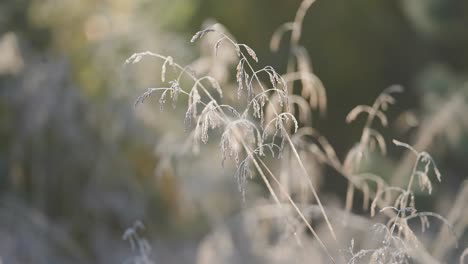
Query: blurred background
point(79, 165)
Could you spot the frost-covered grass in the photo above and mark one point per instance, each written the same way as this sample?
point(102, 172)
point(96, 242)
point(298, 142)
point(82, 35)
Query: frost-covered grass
point(264, 115)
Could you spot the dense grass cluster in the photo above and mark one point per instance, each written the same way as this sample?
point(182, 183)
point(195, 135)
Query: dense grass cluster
point(265, 116)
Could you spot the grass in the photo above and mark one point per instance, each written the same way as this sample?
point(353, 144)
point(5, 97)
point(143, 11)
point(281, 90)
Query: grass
point(268, 115)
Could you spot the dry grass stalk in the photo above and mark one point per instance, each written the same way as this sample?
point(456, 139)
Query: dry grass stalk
point(277, 123)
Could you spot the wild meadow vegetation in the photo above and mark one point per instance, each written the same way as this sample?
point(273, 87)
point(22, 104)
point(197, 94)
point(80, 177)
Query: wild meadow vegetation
point(263, 123)
point(293, 131)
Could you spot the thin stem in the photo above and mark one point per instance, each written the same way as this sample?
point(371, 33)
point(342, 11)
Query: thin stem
point(301, 215)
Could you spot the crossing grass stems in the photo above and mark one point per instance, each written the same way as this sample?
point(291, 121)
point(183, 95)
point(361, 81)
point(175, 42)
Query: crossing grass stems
point(275, 122)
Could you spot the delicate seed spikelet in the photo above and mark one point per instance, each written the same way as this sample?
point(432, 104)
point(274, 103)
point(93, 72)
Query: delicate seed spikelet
point(169, 61)
point(272, 79)
point(208, 119)
point(436, 171)
point(280, 124)
point(235, 134)
point(144, 96)
point(194, 99)
point(175, 91)
point(249, 86)
point(135, 58)
point(258, 104)
point(427, 161)
point(188, 118)
point(251, 52)
point(243, 172)
point(200, 34)
point(240, 77)
point(162, 100)
point(424, 182)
